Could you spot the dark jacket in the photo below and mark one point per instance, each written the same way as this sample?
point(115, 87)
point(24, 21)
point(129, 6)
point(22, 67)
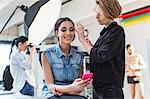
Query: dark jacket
point(107, 57)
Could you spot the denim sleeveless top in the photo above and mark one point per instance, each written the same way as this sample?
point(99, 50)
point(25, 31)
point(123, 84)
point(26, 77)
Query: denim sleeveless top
point(65, 69)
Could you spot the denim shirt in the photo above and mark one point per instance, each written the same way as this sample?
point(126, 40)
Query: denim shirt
point(65, 69)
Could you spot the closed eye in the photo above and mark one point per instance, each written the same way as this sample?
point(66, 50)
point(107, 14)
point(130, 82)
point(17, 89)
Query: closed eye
point(97, 2)
point(64, 29)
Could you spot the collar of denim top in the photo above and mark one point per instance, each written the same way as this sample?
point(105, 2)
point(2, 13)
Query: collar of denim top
point(60, 53)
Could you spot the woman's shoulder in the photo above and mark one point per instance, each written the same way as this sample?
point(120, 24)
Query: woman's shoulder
point(15, 53)
point(119, 27)
point(51, 49)
point(119, 30)
point(77, 53)
point(115, 26)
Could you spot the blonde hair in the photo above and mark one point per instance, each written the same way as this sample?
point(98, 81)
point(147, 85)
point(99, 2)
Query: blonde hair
point(111, 8)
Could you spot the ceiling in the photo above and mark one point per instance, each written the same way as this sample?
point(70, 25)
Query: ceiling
point(8, 6)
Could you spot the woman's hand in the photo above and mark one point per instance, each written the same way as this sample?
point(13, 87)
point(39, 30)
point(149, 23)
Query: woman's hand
point(52, 89)
point(82, 34)
point(78, 85)
point(80, 31)
point(32, 50)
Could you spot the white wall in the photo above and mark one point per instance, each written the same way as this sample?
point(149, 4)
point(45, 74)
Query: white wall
point(138, 34)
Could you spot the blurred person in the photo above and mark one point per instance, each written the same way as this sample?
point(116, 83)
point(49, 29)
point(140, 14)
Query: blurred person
point(107, 55)
point(62, 65)
point(134, 66)
point(20, 66)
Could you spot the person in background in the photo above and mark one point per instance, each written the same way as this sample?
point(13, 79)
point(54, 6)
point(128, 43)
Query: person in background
point(134, 66)
point(20, 66)
point(62, 65)
point(107, 55)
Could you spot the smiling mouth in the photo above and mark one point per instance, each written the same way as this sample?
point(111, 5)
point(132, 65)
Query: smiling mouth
point(68, 38)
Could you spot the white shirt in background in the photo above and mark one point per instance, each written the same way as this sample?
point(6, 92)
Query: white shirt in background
point(20, 68)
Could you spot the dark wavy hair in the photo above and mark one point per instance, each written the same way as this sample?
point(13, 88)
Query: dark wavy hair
point(61, 20)
point(128, 45)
